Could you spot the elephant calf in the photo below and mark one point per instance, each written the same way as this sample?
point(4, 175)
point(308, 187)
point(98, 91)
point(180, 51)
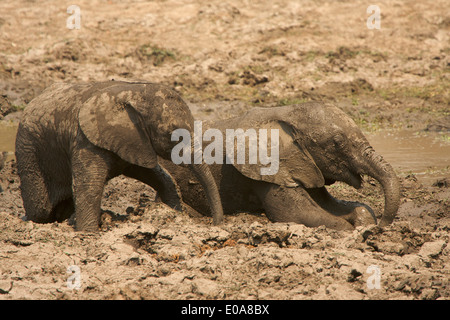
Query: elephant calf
point(73, 138)
point(318, 145)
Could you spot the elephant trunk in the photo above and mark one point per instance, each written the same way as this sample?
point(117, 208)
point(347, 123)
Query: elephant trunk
point(208, 183)
point(376, 167)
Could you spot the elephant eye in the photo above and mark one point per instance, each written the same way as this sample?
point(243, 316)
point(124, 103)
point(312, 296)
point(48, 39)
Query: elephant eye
point(338, 140)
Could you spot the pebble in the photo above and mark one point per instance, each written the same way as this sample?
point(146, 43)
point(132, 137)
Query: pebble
point(432, 249)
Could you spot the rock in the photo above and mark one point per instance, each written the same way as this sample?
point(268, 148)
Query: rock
point(147, 231)
point(205, 287)
point(337, 292)
point(2, 161)
point(432, 249)
point(270, 276)
point(173, 279)
point(411, 261)
point(365, 232)
point(392, 247)
point(167, 234)
point(5, 286)
point(441, 183)
point(441, 125)
point(429, 294)
point(298, 230)
point(353, 275)
point(5, 106)
point(218, 235)
point(143, 237)
point(276, 233)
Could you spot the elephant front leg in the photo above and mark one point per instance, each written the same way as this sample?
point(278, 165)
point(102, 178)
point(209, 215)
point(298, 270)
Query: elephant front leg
point(358, 214)
point(89, 175)
point(283, 204)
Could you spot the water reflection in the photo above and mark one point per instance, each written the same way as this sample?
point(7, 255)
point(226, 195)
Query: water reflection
point(7, 137)
point(426, 154)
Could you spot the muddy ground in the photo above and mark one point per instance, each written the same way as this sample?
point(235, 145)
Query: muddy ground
point(225, 57)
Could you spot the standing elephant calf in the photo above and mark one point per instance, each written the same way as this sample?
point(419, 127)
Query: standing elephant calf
point(74, 138)
point(318, 145)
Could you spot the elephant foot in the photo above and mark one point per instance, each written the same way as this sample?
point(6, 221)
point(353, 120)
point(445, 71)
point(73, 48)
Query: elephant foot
point(362, 216)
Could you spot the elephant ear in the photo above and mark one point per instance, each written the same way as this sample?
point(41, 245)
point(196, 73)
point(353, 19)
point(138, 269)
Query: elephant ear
point(296, 165)
point(117, 127)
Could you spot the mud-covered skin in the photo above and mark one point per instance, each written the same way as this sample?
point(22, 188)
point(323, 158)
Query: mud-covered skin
point(319, 144)
point(74, 138)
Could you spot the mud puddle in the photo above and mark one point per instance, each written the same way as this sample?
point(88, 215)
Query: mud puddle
point(426, 155)
point(7, 137)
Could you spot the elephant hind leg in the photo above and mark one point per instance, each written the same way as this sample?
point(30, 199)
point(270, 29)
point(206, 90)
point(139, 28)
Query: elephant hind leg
point(295, 205)
point(34, 188)
point(36, 200)
point(41, 202)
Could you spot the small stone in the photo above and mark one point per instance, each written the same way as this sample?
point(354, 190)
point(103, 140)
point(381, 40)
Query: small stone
point(166, 234)
point(217, 234)
point(205, 287)
point(411, 261)
point(5, 286)
point(432, 249)
point(429, 294)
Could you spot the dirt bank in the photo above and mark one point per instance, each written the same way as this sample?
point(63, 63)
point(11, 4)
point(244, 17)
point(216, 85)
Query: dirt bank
point(223, 58)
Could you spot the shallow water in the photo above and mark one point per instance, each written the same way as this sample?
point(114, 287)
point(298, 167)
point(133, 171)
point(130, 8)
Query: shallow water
point(427, 155)
point(7, 137)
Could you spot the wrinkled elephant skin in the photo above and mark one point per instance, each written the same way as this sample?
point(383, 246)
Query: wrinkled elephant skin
point(319, 144)
point(73, 138)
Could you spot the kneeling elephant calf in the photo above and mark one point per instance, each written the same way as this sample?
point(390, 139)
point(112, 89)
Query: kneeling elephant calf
point(73, 138)
point(318, 145)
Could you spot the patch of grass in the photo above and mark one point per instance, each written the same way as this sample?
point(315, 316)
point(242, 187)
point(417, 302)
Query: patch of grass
point(271, 51)
point(439, 92)
point(18, 107)
point(345, 53)
point(291, 101)
point(311, 55)
point(445, 138)
point(156, 54)
point(342, 52)
point(366, 121)
point(255, 68)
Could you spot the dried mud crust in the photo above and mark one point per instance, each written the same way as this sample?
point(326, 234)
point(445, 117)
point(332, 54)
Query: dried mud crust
point(146, 250)
point(224, 58)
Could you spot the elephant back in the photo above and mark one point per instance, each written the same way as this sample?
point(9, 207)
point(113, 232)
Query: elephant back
point(133, 120)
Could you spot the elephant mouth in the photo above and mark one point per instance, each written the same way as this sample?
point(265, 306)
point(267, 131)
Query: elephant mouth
point(353, 179)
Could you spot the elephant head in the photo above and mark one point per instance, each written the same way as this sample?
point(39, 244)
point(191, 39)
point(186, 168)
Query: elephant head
point(135, 121)
point(318, 145)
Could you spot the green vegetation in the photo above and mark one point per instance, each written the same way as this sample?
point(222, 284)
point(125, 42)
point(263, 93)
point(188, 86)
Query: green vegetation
point(445, 138)
point(156, 54)
point(271, 51)
point(290, 101)
point(345, 53)
point(438, 92)
point(18, 107)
